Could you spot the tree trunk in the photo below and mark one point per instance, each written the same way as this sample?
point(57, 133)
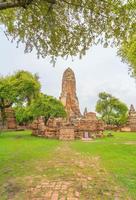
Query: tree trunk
point(6, 5)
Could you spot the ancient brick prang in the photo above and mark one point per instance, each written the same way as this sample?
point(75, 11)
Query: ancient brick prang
point(68, 95)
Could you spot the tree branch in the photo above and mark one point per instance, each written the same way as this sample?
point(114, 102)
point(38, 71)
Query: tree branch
point(20, 3)
point(15, 4)
point(3, 105)
point(6, 5)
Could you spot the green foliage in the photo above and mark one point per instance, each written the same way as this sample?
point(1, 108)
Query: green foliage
point(46, 106)
point(22, 114)
point(28, 86)
point(19, 88)
point(43, 105)
point(22, 91)
point(111, 109)
point(128, 53)
point(7, 95)
point(63, 28)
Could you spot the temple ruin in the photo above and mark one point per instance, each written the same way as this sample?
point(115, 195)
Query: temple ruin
point(130, 126)
point(131, 123)
point(76, 125)
point(10, 119)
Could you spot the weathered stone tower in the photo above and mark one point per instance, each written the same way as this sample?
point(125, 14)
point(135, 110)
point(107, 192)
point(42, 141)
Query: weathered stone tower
point(68, 94)
point(132, 118)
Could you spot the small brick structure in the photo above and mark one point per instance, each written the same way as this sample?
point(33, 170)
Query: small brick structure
point(10, 121)
point(38, 126)
point(66, 133)
point(132, 118)
point(130, 126)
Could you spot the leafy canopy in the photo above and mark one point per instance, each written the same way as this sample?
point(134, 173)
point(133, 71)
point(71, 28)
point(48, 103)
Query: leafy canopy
point(128, 53)
point(66, 27)
point(111, 109)
point(46, 106)
point(19, 88)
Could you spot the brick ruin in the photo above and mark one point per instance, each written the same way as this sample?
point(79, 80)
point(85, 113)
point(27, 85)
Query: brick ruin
point(130, 126)
point(75, 126)
point(10, 121)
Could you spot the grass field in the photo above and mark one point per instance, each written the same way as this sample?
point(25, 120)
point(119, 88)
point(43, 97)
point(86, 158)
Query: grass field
point(30, 167)
point(118, 156)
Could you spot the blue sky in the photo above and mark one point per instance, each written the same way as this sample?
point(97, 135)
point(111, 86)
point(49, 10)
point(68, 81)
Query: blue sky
point(100, 70)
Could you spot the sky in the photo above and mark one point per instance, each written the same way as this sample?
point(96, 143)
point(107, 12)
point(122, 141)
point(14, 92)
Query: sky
point(100, 70)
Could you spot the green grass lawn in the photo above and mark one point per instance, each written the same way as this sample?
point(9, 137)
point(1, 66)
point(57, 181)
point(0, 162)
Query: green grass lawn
point(118, 156)
point(23, 155)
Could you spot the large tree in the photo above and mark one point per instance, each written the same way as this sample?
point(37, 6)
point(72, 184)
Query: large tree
point(43, 105)
point(111, 109)
point(19, 88)
point(66, 27)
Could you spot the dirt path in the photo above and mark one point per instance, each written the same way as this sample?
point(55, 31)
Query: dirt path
point(69, 175)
